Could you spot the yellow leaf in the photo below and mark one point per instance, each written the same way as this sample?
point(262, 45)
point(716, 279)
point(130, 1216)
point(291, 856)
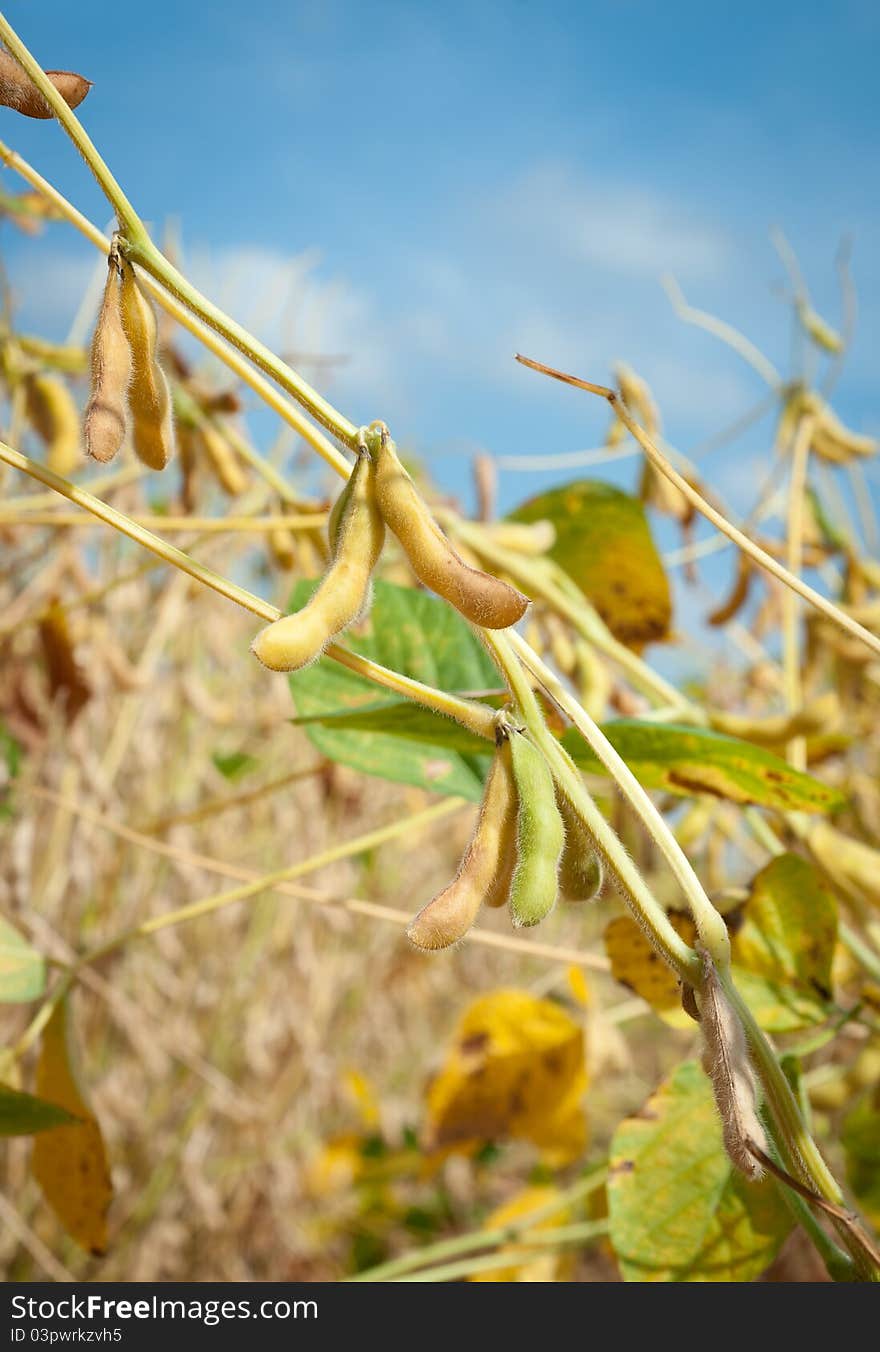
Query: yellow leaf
point(364, 1095)
point(70, 1163)
point(336, 1166)
point(516, 1069)
point(577, 984)
point(539, 1267)
point(636, 963)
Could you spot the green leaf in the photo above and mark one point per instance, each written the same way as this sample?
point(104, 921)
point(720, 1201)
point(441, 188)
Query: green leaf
point(691, 761)
point(683, 761)
point(679, 1211)
point(420, 636)
point(22, 969)
point(22, 1114)
point(784, 948)
point(10, 763)
point(861, 1140)
point(235, 765)
point(604, 543)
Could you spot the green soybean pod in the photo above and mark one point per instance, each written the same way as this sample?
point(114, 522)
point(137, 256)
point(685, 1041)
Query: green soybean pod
point(580, 869)
point(338, 511)
point(540, 835)
point(343, 593)
point(449, 915)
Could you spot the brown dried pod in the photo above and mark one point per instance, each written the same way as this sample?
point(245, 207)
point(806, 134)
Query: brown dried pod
point(149, 399)
point(105, 417)
point(485, 871)
point(481, 598)
point(726, 1062)
point(18, 92)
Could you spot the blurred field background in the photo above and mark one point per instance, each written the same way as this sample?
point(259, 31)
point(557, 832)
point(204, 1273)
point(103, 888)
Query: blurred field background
point(259, 1074)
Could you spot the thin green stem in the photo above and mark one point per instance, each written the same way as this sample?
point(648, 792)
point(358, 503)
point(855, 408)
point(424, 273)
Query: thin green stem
point(564, 1237)
point(471, 714)
point(710, 925)
point(799, 1153)
point(484, 1239)
point(643, 905)
point(144, 252)
point(125, 212)
point(209, 339)
point(141, 249)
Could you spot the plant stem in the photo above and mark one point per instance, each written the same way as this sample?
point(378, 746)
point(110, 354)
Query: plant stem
point(208, 525)
point(229, 356)
point(138, 246)
point(646, 910)
point(538, 580)
point(798, 1150)
point(721, 329)
point(483, 1239)
point(796, 750)
point(760, 556)
point(478, 718)
point(710, 925)
point(566, 1236)
point(125, 212)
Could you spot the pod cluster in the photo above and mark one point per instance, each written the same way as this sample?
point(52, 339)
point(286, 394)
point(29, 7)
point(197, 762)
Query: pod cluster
point(380, 493)
point(830, 439)
point(128, 386)
point(526, 850)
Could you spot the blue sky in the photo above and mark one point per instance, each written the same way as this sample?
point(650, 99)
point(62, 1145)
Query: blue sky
point(428, 188)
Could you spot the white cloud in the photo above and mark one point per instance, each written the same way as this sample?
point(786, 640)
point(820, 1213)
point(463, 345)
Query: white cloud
point(630, 230)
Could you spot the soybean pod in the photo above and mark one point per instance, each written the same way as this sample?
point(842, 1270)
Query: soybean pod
point(342, 595)
point(580, 869)
point(105, 417)
point(540, 835)
point(449, 915)
point(149, 398)
point(481, 598)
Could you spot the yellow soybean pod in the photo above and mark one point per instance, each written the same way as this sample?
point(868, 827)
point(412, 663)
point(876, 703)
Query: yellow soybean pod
point(343, 593)
point(149, 399)
point(54, 417)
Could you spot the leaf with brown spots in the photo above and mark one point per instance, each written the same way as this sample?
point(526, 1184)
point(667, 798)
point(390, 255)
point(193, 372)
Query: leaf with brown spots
point(515, 1068)
point(604, 543)
point(70, 1163)
point(694, 761)
point(784, 948)
point(679, 1211)
point(635, 963)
